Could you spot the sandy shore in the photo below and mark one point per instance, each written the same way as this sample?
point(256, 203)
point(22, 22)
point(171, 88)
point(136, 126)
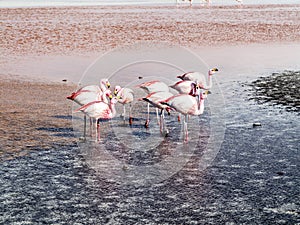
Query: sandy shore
point(96, 29)
point(33, 115)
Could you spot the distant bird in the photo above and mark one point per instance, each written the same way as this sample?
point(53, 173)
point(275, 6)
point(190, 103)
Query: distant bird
point(185, 87)
point(187, 105)
point(155, 99)
point(150, 87)
point(125, 96)
point(191, 1)
point(200, 78)
point(99, 110)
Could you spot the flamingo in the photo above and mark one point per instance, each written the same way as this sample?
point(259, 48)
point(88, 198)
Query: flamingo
point(206, 1)
point(187, 105)
point(150, 87)
point(155, 99)
point(191, 2)
point(185, 87)
point(88, 94)
point(125, 96)
point(153, 86)
point(99, 110)
point(200, 78)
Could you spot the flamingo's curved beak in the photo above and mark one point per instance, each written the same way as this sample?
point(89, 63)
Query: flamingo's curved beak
point(110, 97)
point(115, 92)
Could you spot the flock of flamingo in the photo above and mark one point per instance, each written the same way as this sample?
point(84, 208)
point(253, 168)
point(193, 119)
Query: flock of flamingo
point(205, 1)
point(98, 102)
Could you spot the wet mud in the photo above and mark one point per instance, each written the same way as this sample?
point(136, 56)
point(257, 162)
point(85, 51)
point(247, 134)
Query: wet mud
point(279, 89)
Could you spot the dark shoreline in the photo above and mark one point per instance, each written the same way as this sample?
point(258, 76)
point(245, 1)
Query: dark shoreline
point(278, 89)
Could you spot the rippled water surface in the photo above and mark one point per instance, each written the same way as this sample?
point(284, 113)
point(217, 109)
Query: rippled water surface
point(254, 178)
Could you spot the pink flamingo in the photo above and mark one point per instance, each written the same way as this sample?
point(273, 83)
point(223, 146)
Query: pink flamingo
point(125, 96)
point(150, 87)
point(185, 87)
point(99, 110)
point(187, 105)
point(199, 78)
point(153, 86)
point(88, 94)
point(155, 99)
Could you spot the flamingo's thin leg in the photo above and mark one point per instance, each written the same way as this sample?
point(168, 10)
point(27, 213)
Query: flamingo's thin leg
point(97, 130)
point(91, 127)
point(124, 112)
point(130, 116)
point(157, 116)
point(185, 128)
point(148, 116)
point(84, 126)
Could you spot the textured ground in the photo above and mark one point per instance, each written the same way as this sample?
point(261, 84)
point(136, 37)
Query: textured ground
point(282, 89)
point(33, 115)
point(85, 29)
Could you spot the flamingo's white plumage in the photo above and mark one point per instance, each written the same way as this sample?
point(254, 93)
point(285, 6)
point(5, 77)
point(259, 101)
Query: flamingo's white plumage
point(89, 94)
point(154, 86)
point(200, 78)
point(185, 87)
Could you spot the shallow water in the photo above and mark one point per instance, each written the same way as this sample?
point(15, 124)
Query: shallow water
point(254, 178)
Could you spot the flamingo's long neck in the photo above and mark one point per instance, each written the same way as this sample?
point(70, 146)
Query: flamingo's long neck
point(102, 86)
point(112, 109)
point(120, 93)
point(104, 96)
point(200, 104)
